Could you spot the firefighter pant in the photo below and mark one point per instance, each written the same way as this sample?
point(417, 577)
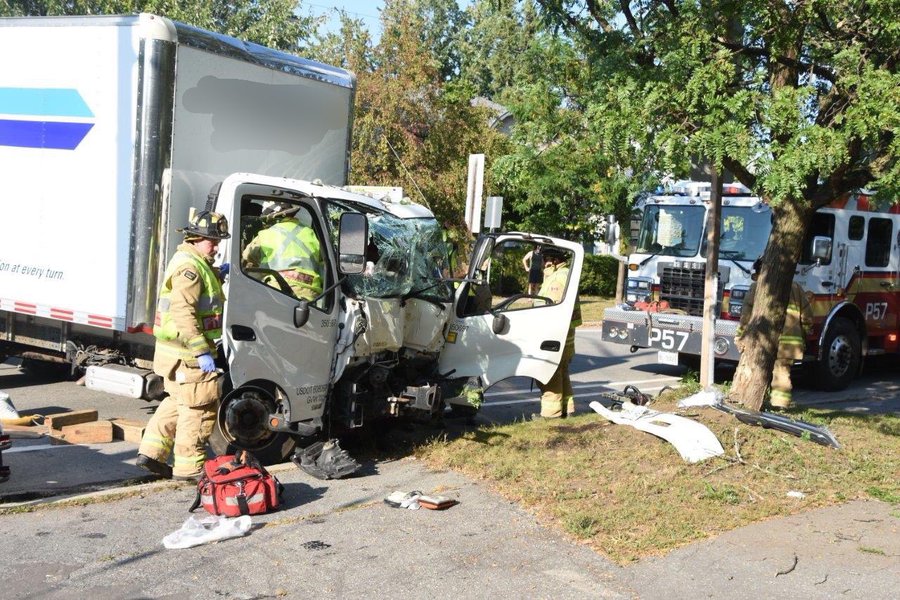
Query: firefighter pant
point(780, 396)
point(183, 421)
point(557, 398)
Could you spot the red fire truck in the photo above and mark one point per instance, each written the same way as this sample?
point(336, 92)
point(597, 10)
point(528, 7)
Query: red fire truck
point(849, 269)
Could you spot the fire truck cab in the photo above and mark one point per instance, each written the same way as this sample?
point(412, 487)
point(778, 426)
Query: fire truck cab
point(849, 269)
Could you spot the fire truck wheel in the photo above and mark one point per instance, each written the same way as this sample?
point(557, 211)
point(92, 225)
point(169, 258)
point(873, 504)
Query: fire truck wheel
point(841, 356)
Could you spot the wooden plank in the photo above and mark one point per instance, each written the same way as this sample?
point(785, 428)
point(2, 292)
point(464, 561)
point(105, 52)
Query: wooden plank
point(128, 430)
point(95, 432)
point(59, 420)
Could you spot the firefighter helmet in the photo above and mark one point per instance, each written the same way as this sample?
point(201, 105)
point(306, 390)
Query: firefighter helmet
point(279, 210)
point(555, 253)
point(206, 224)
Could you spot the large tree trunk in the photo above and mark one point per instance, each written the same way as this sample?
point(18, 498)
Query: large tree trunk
point(773, 290)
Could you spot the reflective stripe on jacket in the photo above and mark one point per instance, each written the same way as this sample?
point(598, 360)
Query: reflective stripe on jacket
point(208, 311)
point(289, 246)
point(554, 287)
point(797, 320)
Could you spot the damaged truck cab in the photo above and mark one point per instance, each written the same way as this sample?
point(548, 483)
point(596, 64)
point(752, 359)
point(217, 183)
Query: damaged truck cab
point(382, 330)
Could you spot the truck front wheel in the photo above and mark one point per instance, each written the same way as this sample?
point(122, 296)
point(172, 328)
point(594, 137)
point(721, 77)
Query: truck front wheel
point(841, 356)
point(241, 425)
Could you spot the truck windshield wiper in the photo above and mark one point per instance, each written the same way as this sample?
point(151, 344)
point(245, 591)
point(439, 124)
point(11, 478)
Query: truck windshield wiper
point(649, 256)
point(732, 255)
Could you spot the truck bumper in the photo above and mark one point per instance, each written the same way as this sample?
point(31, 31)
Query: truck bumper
point(667, 332)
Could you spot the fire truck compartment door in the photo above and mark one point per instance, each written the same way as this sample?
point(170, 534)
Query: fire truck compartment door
point(498, 330)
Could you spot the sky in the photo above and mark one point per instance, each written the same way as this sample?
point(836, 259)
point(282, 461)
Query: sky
point(365, 10)
point(368, 11)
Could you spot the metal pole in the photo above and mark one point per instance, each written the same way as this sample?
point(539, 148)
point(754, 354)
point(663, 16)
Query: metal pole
point(711, 288)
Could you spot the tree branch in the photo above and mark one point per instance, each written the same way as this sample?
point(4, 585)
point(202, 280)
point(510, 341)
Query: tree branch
point(625, 6)
point(823, 72)
point(740, 172)
point(594, 11)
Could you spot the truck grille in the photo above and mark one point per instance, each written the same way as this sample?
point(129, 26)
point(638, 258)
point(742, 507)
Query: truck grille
point(683, 289)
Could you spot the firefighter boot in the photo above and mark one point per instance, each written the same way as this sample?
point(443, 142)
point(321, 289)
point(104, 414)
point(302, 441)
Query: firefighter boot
point(154, 466)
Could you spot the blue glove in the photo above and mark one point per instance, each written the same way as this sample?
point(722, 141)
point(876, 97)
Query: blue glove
point(206, 362)
point(224, 269)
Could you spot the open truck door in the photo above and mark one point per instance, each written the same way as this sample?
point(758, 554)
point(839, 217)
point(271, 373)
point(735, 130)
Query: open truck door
point(499, 329)
point(279, 327)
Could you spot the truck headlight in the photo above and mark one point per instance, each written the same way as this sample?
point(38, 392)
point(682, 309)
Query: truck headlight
point(734, 309)
point(720, 346)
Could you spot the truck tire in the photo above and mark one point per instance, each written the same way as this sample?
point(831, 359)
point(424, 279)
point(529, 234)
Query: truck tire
point(45, 370)
point(841, 356)
point(277, 449)
point(267, 446)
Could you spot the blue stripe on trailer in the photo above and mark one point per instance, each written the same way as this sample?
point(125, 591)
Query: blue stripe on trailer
point(43, 102)
point(42, 134)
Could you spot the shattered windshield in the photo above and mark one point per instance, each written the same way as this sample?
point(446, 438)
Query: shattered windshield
point(744, 232)
point(404, 257)
point(671, 230)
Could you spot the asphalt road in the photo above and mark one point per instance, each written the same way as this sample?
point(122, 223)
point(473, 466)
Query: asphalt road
point(337, 539)
point(43, 469)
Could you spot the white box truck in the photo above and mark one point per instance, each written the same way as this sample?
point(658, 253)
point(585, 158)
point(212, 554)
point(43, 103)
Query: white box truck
point(111, 127)
point(104, 148)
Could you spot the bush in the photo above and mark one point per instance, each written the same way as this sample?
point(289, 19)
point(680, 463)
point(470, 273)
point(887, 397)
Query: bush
point(598, 275)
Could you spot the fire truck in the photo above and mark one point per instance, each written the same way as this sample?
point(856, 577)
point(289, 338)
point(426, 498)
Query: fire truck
point(848, 268)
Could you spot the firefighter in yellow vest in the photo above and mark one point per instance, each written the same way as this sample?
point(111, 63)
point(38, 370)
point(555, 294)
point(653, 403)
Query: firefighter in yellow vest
point(289, 247)
point(557, 397)
point(791, 342)
point(188, 322)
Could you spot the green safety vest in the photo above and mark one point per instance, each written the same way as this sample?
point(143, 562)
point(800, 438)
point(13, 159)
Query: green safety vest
point(209, 308)
point(290, 246)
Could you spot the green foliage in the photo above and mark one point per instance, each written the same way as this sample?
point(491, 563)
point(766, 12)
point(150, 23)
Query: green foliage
point(412, 128)
point(273, 23)
point(598, 275)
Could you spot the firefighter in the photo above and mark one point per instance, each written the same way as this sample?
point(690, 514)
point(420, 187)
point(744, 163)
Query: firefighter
point(557, 397)
point(188, 322)
point(289, 247)
point(791, 342)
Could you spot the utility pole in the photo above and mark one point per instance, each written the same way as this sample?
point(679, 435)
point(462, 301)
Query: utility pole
point(711, 288)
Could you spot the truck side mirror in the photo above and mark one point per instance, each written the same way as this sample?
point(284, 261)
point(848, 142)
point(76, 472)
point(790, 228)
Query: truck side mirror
point(352, 240)
point(301, 314)
point(821, 248)
point(637, 217)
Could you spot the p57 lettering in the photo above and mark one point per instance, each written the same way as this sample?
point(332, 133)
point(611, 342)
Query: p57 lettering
point(876, 310)
point(667, 339)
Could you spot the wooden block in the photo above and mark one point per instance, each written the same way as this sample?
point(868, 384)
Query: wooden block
point(95, 432)
point(60, 420)
point(128, 430)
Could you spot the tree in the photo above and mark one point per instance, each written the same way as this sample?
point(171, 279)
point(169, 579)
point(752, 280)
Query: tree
point(350, 48)
point(411, 127)
point(799, 100)
point(273, 23)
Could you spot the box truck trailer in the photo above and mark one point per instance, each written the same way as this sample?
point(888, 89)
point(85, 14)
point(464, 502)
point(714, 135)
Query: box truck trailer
point(106, 147)
point(111, 128)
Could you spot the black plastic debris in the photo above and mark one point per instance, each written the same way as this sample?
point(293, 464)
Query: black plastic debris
point(325, 460)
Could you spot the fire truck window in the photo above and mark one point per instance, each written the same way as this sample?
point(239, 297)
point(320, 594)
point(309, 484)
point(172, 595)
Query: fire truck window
point(822, 225)
point(856, 228)
point(878, 243)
